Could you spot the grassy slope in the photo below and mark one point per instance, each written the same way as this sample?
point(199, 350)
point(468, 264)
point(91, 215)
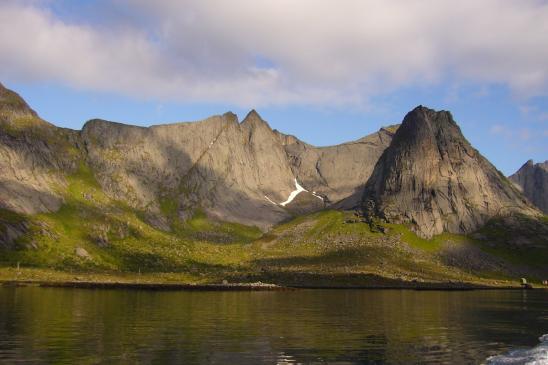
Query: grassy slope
point(319, 248)
point(89, 218)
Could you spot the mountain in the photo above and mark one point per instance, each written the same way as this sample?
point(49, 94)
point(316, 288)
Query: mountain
point(338, 173)
point(222, 199)
point(34, 155)
point(432, 178)
point(239, 172)
point(532, 180)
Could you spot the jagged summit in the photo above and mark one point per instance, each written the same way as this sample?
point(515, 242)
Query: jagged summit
point(431, 177)
point(532, 179)
point(253, 114)
point(254, 120)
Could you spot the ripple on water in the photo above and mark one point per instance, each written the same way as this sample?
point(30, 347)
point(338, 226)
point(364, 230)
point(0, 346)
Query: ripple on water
point(537, 355)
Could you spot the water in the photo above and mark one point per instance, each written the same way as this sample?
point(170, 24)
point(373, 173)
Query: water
point(535, 355)
point(78, 326)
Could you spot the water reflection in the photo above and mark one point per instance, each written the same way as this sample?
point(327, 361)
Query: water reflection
point(335, 326)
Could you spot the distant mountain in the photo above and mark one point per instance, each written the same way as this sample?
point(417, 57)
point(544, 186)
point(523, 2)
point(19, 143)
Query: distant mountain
point(431, 177)
point(532, 179)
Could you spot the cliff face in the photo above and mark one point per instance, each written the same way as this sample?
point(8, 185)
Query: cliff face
point(431, 177)
point(234, 171)
point(240, 172)
point(532, 179)
point(338, 173)
point(34, 155)
point(219, 165)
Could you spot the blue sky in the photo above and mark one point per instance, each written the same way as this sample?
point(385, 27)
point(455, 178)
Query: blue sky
point(326, 73)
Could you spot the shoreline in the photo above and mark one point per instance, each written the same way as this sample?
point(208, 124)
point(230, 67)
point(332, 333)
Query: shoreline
point(145, 286)
point(242, 281)
point(258, 286)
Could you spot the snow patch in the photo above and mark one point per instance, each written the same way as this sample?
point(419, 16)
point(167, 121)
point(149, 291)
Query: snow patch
point(317, 196)
point(270, 200)
point(298, 189)
point(533, 356)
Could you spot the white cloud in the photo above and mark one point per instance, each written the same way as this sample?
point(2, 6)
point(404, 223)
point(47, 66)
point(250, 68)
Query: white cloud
point(312, 51)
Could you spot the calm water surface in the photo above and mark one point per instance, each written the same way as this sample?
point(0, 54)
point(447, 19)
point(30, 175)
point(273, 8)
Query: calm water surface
point(79, 326)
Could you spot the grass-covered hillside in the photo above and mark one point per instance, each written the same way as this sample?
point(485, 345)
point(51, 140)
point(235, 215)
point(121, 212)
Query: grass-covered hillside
point(95, 237)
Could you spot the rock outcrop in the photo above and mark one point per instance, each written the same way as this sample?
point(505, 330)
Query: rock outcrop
point(532, 180)
point(432, 178)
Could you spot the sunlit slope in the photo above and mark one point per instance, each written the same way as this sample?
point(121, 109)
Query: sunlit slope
point(92, 233)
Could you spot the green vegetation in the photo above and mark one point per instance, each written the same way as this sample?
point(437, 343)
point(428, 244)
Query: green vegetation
point(168, 206)
point(433, 244)
point(392, 128)
point(100, 239)
point(8, 216)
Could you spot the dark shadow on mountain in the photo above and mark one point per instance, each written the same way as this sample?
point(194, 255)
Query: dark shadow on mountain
point(196, 186)
point(340, 256)
point(12, 227)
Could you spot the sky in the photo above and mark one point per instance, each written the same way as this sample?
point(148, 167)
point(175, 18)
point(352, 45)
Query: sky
point(324, 71)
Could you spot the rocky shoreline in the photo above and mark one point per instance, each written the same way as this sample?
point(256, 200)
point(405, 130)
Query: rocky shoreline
point(257, 286)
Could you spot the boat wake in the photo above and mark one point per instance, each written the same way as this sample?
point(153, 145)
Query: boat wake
point(537, 355)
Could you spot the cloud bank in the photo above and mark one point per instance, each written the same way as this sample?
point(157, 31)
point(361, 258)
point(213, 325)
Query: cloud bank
point(277, 52)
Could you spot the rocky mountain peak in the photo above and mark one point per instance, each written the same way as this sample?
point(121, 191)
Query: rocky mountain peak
point(532, 179)
point(253, 120)
point(430, 129)
point(431, 178)
point(231, 117)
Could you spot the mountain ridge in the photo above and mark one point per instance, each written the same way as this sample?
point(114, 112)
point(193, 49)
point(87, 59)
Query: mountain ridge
point(230, 168)
point(198, 152)
point(532, 180)
point(220, 198)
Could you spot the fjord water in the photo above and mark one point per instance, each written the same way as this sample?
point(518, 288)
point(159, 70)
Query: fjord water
point(80, 326)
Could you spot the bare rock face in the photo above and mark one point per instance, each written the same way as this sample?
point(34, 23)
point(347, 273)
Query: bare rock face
point(34, 155)
point(338, 173)
point(432, 178)
point(532, 180)
point(10, 232)
point(242, 172)
point(218, 165)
